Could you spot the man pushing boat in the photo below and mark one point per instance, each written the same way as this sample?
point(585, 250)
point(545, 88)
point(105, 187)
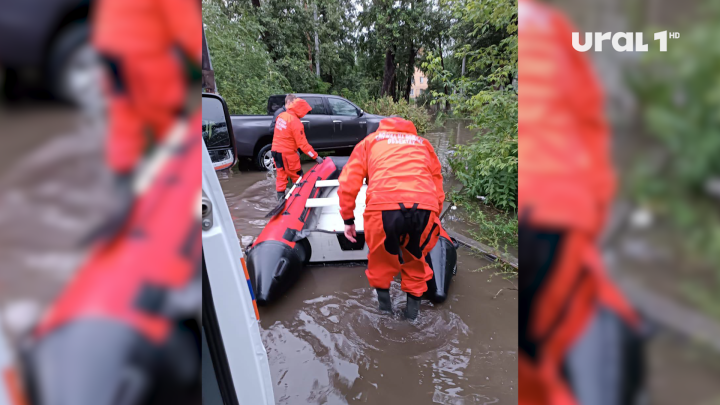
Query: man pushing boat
point(288, 139)
point(404, 198)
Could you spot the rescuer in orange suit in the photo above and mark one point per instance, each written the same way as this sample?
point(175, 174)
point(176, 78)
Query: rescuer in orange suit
point(138, 41)
point(404, 198)
point(566, 185)
point(288, 140)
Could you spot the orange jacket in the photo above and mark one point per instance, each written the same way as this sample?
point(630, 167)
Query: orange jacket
point(400, 167)
point(289, 133)
point(565, 173)
point(137, 27)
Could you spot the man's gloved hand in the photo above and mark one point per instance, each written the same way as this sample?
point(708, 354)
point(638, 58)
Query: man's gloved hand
point(319, 159)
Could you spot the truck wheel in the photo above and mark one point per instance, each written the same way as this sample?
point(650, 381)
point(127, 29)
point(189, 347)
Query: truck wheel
point(74, 68)
point(264, 160)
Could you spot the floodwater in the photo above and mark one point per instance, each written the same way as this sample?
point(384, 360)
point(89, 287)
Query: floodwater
point(326, 341)
point(54, 188)
point(329, 344)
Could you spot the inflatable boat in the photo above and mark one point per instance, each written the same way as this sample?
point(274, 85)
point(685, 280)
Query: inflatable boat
point(307, 228)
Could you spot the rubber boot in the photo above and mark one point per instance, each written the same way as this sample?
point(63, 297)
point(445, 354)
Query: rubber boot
point(413, 306)
point(280, 195)
point(385, 304)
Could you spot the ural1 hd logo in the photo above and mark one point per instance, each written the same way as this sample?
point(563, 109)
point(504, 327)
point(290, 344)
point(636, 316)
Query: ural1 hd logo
point(633, 42)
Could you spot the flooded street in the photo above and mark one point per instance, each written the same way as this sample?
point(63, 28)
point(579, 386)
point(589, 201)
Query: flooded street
point(54, 188)
point(329, 344)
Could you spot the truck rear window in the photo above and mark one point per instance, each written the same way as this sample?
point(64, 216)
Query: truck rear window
point(275, 102)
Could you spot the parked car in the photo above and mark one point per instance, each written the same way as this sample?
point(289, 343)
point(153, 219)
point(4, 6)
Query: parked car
point(333, 124)
point(49, 40)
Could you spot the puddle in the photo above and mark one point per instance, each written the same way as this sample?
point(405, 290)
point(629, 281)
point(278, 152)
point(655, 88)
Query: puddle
point(328, 343)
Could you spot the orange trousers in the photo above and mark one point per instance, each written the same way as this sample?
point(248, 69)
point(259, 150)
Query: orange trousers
point(287, 166)
point(398, 241)
point(147, 92)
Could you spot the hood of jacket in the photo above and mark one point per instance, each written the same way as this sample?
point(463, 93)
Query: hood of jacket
point(397, 124)
point(299, 108)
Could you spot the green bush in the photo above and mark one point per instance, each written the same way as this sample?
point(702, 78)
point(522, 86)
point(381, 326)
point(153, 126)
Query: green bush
point(359, 97)
point(244, 72)
point(489, 166)
point(387, 107)
point(679, 91)
point(679, 97)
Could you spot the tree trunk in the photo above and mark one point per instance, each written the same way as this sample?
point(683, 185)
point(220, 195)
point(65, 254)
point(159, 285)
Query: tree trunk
point(317, 45)
point(410, 71)
point(393, 86)
point(396, 93)
point(388, 73)
point(442, 63)
point(309, 44)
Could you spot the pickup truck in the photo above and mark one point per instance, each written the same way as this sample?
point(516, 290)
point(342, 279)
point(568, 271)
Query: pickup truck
point(334, 123)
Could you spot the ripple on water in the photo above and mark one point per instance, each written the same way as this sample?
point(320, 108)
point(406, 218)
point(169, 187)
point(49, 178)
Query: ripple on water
point(325, 351)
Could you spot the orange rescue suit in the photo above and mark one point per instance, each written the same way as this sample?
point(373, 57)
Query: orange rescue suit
point(566, 184)
point(288, 139)
point(565, 174)
point(403, 200)
point(137, 40)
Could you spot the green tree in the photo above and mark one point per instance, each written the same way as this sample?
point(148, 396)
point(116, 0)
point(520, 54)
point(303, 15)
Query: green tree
point(487, 167)
point(393, 33)
point(244, 72)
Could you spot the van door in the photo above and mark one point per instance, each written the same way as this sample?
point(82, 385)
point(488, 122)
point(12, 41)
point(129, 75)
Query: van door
point(237, 370)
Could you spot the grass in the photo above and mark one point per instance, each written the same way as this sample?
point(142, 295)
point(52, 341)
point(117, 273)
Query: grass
point(495, 228)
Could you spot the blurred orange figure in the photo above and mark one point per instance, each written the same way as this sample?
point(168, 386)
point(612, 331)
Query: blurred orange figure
point(137, 39)
point(566, 185)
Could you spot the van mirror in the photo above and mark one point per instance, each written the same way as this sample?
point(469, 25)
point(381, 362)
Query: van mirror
point(217, 131)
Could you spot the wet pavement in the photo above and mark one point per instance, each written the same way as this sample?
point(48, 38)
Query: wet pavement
point(328, 343)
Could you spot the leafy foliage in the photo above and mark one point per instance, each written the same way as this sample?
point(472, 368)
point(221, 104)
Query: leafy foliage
point(387, 107)
point(245, 74)
point(489, 166)
point(679, 91)
point(679, 96)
